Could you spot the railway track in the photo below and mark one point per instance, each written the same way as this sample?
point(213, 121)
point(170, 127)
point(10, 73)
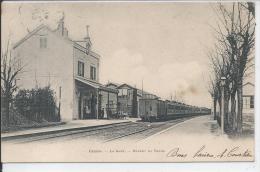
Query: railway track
point(136, 131)
point(57, 134)
point(145, 133)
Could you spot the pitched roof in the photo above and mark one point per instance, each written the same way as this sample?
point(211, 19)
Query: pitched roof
point(139, 91)
point(249, 83)
point(37, 29)
point(29, 35)
point(82, 48)
point(127, 85)
point(112, 83)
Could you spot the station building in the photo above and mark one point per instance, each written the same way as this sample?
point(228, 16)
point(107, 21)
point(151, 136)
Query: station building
point(70, 68)
point(129, 99)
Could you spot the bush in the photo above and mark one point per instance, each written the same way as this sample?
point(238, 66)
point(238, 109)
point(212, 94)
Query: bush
point(37, 104)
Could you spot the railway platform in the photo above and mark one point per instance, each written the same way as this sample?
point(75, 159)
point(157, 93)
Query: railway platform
point(70, 125)
point(201, 126)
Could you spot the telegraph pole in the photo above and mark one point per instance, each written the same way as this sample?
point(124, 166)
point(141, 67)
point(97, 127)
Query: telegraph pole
point(223, 79)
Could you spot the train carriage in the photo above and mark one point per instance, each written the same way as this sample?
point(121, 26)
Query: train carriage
point(162, 109)
point(154, 109)
point(148, 109)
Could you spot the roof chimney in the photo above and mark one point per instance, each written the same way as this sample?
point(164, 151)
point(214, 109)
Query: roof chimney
point(61, 29)
point(87, 31)
point(87, 39)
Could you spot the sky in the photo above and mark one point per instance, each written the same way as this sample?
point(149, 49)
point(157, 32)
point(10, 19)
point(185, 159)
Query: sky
point(163, 44)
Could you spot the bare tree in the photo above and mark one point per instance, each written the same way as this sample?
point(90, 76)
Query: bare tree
point(10, 68)
point(236, 44)
point(241, 39)
point(221, 67)
point(212, 89)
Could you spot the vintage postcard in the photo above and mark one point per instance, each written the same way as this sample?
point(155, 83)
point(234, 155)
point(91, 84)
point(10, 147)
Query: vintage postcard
point(127, 81)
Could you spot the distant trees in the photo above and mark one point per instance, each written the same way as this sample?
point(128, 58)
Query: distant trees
point(233, 55)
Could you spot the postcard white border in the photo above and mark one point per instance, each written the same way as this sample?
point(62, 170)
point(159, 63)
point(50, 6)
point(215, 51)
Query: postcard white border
point(162, 167)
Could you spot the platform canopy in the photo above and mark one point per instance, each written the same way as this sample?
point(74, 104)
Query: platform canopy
point(95, 85)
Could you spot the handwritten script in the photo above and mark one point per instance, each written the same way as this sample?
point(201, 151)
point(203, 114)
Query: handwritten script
point(203, 152)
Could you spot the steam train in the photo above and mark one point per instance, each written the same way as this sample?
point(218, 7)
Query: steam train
point(154, 109)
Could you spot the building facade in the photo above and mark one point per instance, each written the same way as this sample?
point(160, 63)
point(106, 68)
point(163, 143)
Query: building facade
point(248, 105)
point(129, 99)
point(69, 67)
point(248, 97)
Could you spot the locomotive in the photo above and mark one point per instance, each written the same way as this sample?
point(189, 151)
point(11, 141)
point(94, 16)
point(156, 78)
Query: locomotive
point(154, 109)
